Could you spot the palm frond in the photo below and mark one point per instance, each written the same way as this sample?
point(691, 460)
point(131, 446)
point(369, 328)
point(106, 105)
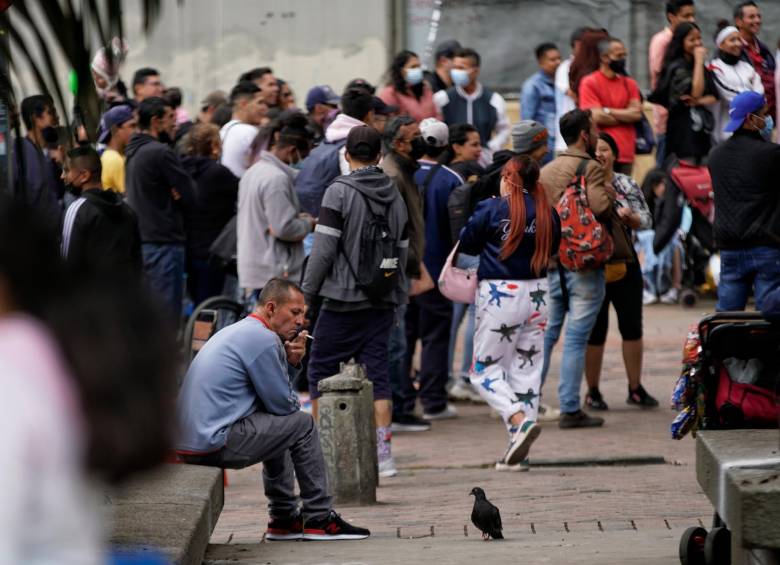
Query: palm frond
point(68, 31)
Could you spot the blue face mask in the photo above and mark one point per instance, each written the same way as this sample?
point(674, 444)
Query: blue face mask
point(414, 75)
point(460, 77)
point(769, 125)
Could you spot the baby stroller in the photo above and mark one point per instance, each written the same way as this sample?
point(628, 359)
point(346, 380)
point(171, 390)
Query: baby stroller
point(730, 380)
point(689, 185)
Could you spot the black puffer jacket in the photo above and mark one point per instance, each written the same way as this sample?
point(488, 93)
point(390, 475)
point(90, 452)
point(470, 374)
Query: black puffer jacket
point(745, 173)
point(214, 204)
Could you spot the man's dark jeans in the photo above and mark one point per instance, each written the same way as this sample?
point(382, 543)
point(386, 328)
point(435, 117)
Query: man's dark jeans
point(428, 318)
point(743, 269)
point(164, 268)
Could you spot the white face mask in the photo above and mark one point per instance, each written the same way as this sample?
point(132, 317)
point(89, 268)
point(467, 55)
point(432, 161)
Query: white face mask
point(414, 75)
point(460, 77)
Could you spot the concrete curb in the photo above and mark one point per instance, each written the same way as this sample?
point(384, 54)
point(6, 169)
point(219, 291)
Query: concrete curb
point(173, 510)
point(626, 461)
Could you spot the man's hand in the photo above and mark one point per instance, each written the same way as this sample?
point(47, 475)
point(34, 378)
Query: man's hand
point(629, 217)
point(311, 219)
point(296, 349)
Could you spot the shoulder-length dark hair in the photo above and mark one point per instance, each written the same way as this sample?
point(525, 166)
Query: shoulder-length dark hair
point(395, 75)
point(676, 48)
point(113, 336)
point(587, 58)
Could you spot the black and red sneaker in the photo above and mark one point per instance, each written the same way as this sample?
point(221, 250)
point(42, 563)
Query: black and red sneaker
point(332, 527)
point(282, 529)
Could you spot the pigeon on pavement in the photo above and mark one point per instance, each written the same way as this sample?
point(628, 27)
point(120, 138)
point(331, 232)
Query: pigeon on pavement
point(485, 516)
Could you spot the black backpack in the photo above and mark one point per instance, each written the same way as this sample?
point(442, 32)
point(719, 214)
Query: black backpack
point(379, 264)
point(461, 202)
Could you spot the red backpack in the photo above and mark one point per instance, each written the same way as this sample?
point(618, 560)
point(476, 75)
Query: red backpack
point(585, 242)
point(695, 183)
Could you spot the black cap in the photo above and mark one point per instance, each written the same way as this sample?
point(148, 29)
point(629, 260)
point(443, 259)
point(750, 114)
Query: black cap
point(364, 143)
point(382, 109)
point(447, 49)
point(361, 83)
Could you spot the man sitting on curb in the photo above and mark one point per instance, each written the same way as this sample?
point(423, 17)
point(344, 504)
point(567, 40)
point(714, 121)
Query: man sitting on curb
point(237, 407)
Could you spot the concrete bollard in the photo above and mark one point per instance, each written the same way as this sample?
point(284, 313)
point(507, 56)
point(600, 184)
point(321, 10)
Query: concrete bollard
point(347, 435)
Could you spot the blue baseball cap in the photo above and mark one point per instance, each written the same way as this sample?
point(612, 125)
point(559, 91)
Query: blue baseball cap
point(322, 94)
point(115, 116)
point(741, 106)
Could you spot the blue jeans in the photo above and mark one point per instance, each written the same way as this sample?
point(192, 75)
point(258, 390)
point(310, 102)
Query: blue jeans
point(460, 311)
point(743, 269)
point(657, 269)
point(164, 268)
point(586, 293)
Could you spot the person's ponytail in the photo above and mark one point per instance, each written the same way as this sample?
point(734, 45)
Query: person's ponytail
point(522, 173)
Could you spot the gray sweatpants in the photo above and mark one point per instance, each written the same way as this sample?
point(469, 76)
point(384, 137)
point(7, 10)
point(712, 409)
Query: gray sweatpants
point(284, 444)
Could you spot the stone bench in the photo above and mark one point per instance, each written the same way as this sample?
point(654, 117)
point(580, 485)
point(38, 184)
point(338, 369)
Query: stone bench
point(172, 510)
point(739, 471)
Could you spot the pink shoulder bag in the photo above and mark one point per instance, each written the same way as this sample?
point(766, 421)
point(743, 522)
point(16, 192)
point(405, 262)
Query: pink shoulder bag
point(459, 285)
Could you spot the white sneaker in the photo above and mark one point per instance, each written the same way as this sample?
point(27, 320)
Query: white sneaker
point(447, 414)
point(522, 467)
point(521, 442)
point(463, 392)
point(387, 468)
point(548, 414)
point(648, 298)
point(671, 296)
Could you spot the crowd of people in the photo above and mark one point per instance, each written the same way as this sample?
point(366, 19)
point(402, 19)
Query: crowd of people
point(333, 224)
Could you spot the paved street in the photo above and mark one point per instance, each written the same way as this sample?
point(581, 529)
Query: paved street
point(629, 513)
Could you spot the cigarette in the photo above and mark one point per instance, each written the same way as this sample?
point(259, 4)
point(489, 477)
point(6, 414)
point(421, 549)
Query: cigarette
point(310, 336)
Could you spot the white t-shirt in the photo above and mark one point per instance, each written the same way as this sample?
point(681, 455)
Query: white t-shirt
point(48, 511)
point(563, 102)
point(237, 138)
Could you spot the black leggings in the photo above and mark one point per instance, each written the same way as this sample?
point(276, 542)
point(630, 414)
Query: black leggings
point(626, 296)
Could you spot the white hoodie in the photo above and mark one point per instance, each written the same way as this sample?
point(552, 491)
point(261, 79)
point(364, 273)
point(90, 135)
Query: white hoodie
point(339, 129)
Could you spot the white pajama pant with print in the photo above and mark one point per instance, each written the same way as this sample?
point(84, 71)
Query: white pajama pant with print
point(509, 345)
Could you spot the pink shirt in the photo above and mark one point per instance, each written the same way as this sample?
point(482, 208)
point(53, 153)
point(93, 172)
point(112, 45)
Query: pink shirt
point(656, 53)
point(408, 104)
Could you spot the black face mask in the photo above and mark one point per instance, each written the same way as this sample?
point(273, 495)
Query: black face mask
point(50, 134)
point(618, 66)
point(163, 137)
point(728, 58)
point(73, 189)
point(419, 148)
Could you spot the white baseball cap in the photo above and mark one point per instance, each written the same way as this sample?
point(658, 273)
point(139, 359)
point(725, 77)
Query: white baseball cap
point(434, 132)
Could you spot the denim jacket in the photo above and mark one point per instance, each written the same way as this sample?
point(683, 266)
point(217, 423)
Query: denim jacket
point(537, 102)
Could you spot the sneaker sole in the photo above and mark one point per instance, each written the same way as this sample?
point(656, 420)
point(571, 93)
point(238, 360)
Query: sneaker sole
point(401, 428)
point(283, 537)
point(518, 468)
point(327, 537)
point(519, 450)
point(388, 474)
point(437, 417)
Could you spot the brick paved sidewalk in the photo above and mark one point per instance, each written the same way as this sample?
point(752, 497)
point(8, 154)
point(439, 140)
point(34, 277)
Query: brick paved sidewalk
point(552, 514)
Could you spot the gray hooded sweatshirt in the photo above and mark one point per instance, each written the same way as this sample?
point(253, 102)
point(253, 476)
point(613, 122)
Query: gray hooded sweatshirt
point(338, 235)
point(270, 232)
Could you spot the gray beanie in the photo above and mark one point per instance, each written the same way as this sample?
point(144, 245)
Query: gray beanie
point(528, 135)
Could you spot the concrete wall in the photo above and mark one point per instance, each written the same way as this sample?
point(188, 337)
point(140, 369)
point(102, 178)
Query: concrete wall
point(202, 45)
